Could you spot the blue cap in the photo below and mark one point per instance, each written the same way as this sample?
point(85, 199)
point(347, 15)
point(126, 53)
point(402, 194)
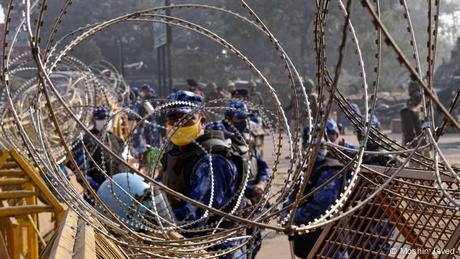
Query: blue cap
point(237, 109)
point(374, 121)
point(145, 87)
point(140, 149)
point(185, 96)
point(331, 127)
point(101, 112)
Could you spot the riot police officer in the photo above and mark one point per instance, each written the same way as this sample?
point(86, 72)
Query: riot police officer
point(145, 105)
point(187, 167)
point(237, 127)
point(244, 142)
point(325, 168)
point(370, 228)
point(333, 134)
point(104, 160)
point(412, 115)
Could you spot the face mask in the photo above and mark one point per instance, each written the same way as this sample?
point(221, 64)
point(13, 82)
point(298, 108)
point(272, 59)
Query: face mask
point(240, 126)
point(101, 124)
point(184, 135)
point(321, 155)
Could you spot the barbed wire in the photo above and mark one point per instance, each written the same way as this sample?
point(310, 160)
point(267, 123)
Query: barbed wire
point(45, 119)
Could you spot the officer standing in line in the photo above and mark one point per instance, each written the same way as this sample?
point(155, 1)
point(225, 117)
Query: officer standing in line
point(312, 96)
point(324, 169)
point(412, 116)
point(144, 105)
point(257, 126)
point(186, 167)
point(312, 99)
point(333, 134)
point(368, 229)
point(102, 130)
point(254, 95)
point(236, 117)
point(371, 145)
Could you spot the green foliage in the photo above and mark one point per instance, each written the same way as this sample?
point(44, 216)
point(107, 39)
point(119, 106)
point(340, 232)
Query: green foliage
point(136, 38)
point(196, 56)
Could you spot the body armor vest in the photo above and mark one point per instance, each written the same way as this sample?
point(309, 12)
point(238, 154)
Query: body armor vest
point(305, 242)
point(248, 150)
point(318, 168)
point(178, 165)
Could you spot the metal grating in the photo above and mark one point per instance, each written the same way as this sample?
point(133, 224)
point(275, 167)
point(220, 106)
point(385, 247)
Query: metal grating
point(409, 219)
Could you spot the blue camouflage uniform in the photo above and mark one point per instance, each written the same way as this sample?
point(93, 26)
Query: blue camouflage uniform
point(331, 129)
point(262, 167)
point(225, 181)
point(324, 169)
point(101, 158)
point(322, 199)
point(238, 109)
point(186, 169)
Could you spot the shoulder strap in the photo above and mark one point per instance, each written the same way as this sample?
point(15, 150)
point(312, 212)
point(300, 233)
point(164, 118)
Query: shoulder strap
point(318, 168)
point(328, 163)
point(214, 141)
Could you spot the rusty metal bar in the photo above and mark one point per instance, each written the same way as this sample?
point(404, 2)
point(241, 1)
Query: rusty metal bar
point(414, 174)
point(452, 244)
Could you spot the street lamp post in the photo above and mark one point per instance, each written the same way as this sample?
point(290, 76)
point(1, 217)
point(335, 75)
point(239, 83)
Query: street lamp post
point(162, 42)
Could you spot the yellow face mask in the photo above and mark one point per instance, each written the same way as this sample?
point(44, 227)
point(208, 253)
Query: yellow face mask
point(184, 135)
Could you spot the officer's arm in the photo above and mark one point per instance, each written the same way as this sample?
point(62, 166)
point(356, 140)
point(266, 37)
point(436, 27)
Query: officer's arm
point(224, 183)
point(291, 198)
point(262, 170)
point(79, 156)
point(322, 199)
point(347, 144)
